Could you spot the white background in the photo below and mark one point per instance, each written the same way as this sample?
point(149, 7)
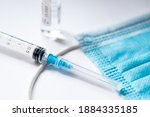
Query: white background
point(22, 19)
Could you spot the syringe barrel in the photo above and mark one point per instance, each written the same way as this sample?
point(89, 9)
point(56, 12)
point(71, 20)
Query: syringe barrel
point(23, 47)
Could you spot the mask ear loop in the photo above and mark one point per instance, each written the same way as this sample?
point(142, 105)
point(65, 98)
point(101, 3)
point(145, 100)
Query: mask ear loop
point(42, 67)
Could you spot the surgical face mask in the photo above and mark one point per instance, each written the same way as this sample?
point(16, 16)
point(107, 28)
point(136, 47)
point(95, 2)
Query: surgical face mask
point(123, 54)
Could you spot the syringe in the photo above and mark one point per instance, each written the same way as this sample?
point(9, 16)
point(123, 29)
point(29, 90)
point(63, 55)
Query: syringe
point(39, 55)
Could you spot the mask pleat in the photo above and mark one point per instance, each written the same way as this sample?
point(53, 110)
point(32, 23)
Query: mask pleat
point(123, 54)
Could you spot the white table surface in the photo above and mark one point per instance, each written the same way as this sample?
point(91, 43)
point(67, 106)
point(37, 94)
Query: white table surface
point(22, 19)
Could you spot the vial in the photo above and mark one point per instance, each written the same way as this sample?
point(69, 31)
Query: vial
point(50, 17)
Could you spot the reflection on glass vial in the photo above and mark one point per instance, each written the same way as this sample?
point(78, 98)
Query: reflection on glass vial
point(50, 15)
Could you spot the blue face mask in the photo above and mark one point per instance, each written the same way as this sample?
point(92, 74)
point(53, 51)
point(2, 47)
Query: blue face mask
point(123, 54)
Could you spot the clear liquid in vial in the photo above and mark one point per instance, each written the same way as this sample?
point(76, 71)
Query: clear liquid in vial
point(50, 17)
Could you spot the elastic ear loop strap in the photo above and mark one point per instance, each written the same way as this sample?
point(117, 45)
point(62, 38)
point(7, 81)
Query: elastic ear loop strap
point(42, 68)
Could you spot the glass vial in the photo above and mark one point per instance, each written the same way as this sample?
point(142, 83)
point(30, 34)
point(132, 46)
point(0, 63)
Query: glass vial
point(50, 16)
